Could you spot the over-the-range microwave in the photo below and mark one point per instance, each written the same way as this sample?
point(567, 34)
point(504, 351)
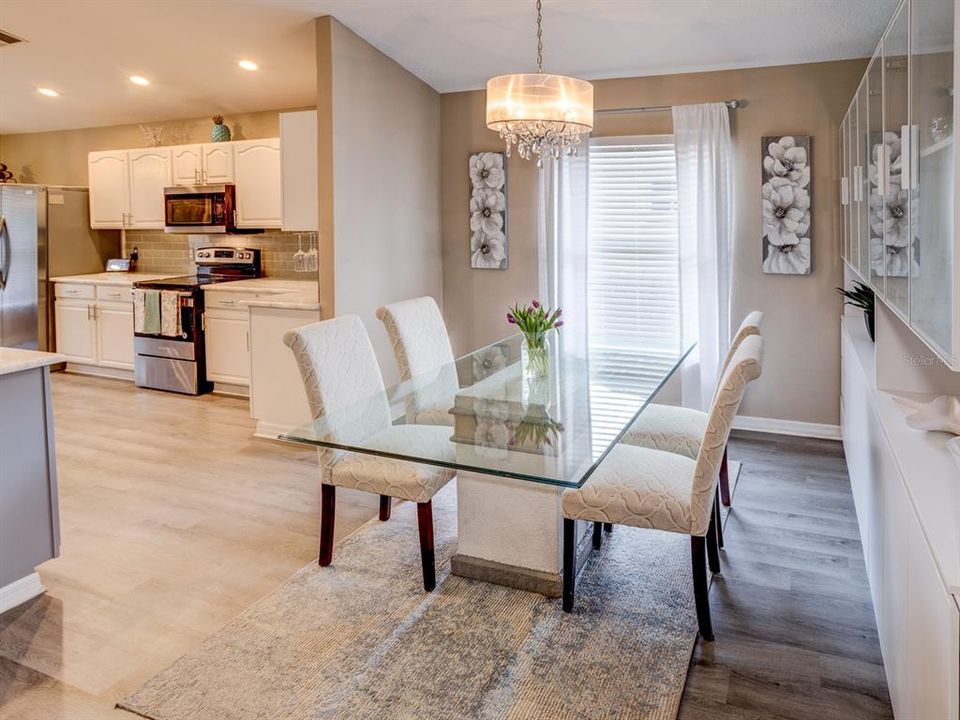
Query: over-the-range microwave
point(199, 209)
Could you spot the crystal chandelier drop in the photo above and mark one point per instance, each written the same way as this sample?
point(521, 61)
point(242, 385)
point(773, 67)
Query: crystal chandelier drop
point(543, 115)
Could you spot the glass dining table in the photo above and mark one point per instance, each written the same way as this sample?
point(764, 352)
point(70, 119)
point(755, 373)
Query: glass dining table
point(515, 442)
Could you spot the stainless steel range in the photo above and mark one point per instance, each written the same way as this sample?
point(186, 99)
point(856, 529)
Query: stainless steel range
point(176, 361)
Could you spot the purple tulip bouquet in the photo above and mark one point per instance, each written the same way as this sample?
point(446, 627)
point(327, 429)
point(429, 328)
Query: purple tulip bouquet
point(534, 322)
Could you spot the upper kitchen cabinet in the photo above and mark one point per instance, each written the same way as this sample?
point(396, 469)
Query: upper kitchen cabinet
point(149, 175)
point(900, 233)
point(862, 179)
point(126, 188)
point(218, 163)
point(186, 163)
point(935, 281)
point(109, 188)
point(298, 163)
point(876, 172)
point(256, 166)
point(894, 212)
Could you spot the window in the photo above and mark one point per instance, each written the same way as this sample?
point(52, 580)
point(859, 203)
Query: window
point(633, 267)
point(633, 279)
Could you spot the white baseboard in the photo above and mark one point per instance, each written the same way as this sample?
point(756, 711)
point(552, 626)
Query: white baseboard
point(787, 427)
point(270, 431)
point(98, 371)
point(20, 591)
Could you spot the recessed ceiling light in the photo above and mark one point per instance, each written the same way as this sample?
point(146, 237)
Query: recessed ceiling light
point(139, 80)
point(248, 65)
point(49, 92)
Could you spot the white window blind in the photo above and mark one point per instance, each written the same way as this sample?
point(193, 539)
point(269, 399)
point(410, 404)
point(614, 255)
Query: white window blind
point(633, 279)
point(633, 273)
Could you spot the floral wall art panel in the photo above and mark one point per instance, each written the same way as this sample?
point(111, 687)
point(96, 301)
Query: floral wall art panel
point(787, 196)
point(488, 211)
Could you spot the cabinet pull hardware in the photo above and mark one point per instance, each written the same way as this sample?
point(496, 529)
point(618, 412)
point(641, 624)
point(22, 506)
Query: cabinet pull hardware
point(89, 312)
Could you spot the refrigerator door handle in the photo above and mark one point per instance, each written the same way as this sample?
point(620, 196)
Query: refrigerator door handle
point(4, 252)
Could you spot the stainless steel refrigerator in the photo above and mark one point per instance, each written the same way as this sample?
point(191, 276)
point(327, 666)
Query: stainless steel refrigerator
point(44, 232)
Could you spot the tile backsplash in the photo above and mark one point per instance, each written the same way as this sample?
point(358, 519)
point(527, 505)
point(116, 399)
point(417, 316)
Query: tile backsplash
point(162, 252)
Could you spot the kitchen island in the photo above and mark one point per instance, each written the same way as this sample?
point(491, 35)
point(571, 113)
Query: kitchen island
point(29, 522)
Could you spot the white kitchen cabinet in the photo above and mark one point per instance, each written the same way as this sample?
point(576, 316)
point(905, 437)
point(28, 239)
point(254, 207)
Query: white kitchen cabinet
point(94, 327)
point(186, 163)
point(149, 175)
point(257, 175)
point(906, 498)
point(108, 177)
point(904, 111)
point(76, 331)
point(114, 324)
point(298, 165)
point(227, 350)
point(218, 163)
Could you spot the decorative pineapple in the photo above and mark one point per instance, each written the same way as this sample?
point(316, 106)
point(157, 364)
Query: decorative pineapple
point(219, 132)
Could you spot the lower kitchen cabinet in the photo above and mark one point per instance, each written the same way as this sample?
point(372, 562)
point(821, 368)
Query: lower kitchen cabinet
point(114, 323)
point(95, 335)
point(896, 480)
point(76, 333)
point(227, 337)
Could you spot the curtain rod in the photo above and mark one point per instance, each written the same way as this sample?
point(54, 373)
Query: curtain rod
point(732, 104)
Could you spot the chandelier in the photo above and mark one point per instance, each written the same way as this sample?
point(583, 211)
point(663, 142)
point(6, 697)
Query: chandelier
point(543, 115)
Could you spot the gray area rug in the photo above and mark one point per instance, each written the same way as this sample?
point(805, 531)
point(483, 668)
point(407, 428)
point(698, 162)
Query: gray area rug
point(360, 639)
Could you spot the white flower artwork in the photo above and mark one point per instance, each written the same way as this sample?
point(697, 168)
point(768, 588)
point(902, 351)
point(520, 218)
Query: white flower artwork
point(488, 211)
point(786, 201)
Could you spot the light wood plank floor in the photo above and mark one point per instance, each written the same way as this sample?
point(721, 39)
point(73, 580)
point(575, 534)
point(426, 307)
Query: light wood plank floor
point(175, 519)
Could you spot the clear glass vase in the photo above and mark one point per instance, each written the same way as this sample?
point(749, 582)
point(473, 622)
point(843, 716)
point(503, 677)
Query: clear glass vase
point(535, 356)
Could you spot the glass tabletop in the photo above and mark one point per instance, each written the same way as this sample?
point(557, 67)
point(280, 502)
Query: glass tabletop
point(481, 414)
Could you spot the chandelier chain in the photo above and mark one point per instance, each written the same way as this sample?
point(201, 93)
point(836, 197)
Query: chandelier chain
point(539, 36)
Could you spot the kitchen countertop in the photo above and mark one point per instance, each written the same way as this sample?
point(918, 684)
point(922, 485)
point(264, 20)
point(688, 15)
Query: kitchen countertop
point(281, 304)
point(13, 360)
point(113, 278)
point(306, 288)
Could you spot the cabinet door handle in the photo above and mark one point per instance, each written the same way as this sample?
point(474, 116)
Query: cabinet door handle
point(89, 312)
point(227, 302)
point(196, 176)
point(248, 340)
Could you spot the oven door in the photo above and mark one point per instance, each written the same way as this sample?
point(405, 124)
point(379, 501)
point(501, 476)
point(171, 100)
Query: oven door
point(197, 209)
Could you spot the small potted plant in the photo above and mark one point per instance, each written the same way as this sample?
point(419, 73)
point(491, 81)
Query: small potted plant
point(534, 322)
point(862, 297)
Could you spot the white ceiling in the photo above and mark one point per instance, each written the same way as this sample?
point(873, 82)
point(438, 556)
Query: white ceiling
point(86, 49)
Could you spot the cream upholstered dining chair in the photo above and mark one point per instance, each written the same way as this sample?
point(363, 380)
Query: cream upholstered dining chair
point(660, 490)
point(422, 350)
point(344, 386)
point(678, 429)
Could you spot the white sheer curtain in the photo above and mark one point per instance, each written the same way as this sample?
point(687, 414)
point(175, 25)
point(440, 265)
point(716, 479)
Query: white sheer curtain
point(701, 135)
point(563, 244)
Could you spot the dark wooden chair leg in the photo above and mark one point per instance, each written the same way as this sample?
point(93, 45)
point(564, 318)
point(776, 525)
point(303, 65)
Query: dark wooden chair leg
point(713, 549)
point(597, 535)
point(385, 507)
point(724, 480)
point(425, 523)
point(701, 587)
point(328, 509)
point(719, 519)
point(569, 563)
point(608, 527)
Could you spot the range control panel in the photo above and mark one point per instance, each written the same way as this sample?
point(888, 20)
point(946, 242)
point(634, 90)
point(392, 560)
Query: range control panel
point(226, 256)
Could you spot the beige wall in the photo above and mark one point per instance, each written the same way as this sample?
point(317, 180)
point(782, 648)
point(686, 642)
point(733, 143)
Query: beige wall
point(386, 182)
point(60, 158)
point(801, 327)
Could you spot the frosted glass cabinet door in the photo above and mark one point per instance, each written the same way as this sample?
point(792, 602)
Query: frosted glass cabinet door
point(863, 181)
point(876, 173)
point(931, 287)
point(853, 160)
point(894, 213)
point(844, 190)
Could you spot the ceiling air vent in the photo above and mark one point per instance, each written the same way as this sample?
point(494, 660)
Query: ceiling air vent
point(8, 39)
